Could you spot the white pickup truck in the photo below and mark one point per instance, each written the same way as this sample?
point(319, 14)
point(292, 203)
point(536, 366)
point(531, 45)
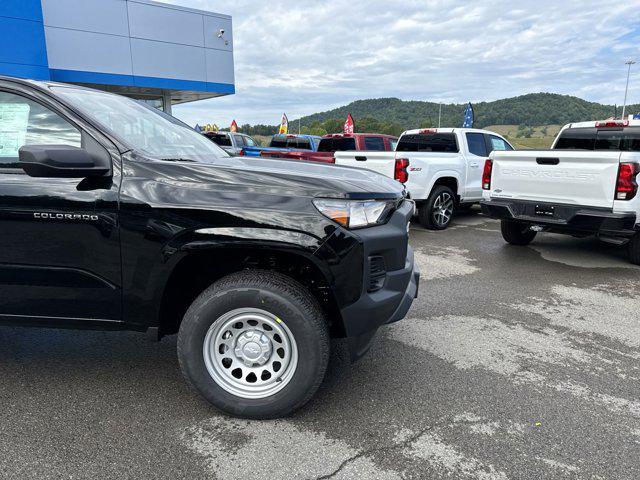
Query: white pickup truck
point(587, 184)
point(440, 167)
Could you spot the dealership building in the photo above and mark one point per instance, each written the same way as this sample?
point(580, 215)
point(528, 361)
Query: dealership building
point(156, 52)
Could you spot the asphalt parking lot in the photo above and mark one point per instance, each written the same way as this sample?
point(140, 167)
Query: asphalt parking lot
point(514, 363)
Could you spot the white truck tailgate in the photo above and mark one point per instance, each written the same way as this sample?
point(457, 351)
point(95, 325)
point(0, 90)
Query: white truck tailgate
point(556, 176)
point(380, 162)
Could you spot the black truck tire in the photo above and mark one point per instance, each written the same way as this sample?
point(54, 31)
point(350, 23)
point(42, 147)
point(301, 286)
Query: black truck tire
point(241, 327)
point(633, 249)
point(516, 233)
point(437, 211)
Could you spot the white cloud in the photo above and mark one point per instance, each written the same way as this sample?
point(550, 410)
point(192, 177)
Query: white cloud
point(305, 56)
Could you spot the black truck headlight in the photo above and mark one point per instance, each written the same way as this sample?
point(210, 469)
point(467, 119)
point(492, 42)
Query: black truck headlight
point(353, 213)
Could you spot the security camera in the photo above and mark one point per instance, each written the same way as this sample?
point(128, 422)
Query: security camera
point(220, 33)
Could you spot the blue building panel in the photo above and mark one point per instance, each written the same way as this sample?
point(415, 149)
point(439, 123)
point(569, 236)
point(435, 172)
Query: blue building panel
point(24, 9)
point(23, 49)
point(25, 71)
point(187, 85)
point(97, 78)
point(22, 41)
point(76, 76)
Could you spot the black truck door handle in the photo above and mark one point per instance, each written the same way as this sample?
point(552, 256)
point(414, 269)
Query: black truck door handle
point(361, 159)
point(547, 161)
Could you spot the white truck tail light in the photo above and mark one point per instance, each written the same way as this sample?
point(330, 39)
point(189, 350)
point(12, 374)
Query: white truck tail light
point(626, 185)
point(486, 174)
point(400, 171)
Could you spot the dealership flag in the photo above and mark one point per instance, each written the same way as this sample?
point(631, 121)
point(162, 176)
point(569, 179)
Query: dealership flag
point(234, 126)
point(198, 128)
point(349, 125)
point(468, 117)
point(284, 124)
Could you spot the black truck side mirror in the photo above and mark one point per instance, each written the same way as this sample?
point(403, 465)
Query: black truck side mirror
point(61, 161)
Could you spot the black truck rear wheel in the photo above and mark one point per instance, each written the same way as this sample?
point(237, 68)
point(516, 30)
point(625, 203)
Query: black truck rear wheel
point(255, 344)
point(516, 233)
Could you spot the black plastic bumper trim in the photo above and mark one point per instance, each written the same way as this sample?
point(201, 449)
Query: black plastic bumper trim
point(387, 305)
point(567, 218)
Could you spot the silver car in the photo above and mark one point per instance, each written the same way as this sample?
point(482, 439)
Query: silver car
point(232, 143)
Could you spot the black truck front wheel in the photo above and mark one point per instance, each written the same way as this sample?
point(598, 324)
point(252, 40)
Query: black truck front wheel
point(516, 233)
point(255, 344)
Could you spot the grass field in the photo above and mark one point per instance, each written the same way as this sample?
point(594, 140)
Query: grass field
point(541, 136)
point(262, 140)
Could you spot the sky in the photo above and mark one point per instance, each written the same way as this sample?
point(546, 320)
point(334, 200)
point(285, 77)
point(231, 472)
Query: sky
point(303, 57)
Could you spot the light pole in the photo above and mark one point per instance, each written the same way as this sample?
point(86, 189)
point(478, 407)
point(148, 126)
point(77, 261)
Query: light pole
point(626, 89)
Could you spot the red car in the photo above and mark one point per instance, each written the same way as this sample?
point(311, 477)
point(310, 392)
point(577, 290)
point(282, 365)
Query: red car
point(340, 142)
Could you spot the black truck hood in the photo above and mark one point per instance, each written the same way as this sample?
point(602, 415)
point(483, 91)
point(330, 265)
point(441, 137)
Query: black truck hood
point(275, 176)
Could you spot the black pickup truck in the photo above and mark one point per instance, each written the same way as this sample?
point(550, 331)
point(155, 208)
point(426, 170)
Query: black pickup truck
point(114, 215)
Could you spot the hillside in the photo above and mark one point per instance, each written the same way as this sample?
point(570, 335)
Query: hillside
point(536, 137)
point(531, 109)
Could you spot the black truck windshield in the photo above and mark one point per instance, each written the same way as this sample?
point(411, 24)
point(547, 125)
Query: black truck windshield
point(143, 128)
point(621, 140)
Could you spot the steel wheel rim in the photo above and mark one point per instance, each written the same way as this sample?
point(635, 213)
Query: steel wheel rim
point(250, 353)
point(442, 209)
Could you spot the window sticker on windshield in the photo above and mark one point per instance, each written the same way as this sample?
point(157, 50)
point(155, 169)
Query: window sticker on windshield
point(14, 120)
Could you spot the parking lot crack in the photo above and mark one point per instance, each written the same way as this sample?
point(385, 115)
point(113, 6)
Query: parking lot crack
point(386, 448)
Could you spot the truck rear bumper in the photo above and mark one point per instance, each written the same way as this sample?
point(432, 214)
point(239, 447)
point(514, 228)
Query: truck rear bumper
point(561, 218)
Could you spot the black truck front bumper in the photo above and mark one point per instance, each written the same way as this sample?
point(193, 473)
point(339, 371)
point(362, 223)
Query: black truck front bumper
point(378, 273)
point(562, 218)
point(390, 304)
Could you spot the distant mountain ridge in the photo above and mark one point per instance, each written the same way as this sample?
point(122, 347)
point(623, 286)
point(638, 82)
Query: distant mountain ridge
point(531, 109)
